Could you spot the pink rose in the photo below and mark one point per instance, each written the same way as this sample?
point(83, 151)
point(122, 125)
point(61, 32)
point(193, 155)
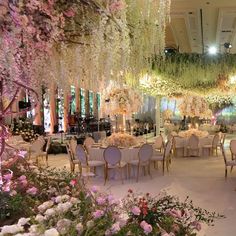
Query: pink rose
point(22, 177)
point(73, 182)
point(32, 191)
point(98, 213)
point(147, 228)
point(101, 201)
point(136, 211)
point(94, 189)
point(7, 177)
point(70, 13)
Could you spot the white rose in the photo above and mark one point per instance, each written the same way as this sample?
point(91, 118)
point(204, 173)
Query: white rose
point(65, 197)
point(50, 212)
point(43, 207)
point(39, 218)
point(79, 228)
point(33, 229)
point(74, 200)
point(23, 221)
point(11, 229)
point(58, 199)
point(51, 232)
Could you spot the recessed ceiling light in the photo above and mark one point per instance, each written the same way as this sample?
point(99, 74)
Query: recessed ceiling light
point(212, 50)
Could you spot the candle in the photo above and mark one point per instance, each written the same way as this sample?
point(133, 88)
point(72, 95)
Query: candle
point(113, 129)
point(124, 129)
point(120, 128)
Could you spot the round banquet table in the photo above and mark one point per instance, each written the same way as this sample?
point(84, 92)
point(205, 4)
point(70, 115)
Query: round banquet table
point(182, 143)
point(127, 154)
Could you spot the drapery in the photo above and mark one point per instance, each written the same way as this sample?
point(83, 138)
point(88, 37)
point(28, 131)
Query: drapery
point(53, 115)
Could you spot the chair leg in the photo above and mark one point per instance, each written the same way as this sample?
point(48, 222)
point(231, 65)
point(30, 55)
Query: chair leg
point(137, 173)
point(163, 167)
point(128, 166)
point(144, 170)
point(47, 159)
point(121, 175)
point(105, 175)
point(226, 172)
point(231, 169)
point(149, 170)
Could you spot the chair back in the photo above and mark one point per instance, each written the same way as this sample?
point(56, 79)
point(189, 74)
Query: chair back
point(81, 154)
point(232, 146)
point(223, 153)
point(70, 155)
point(168, 149)
point(73, 145)
point(158, 142)
point(222, 140)
point(88, 142)
point(37, 146)
point(169, 137)
point(112, 155)
point(216, 140)
point(49, 141)
point(193, 141)
point(145, 153)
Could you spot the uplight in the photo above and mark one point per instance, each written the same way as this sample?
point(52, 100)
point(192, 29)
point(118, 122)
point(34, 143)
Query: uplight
point(232, 79)
point(212, 50)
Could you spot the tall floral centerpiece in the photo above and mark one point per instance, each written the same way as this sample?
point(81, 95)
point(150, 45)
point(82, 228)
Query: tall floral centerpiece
point(194, 107)
point(122, 102)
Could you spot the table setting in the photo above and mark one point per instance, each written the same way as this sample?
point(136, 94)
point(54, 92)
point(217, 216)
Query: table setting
point(182, 140)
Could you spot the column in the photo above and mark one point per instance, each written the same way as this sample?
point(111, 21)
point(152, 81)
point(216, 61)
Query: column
point(38, 115)
point(53, 115)
point(66, 110)
point(158, 114)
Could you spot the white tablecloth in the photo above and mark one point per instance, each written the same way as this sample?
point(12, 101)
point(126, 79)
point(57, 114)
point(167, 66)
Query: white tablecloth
point(127, 154)
point(182, 144)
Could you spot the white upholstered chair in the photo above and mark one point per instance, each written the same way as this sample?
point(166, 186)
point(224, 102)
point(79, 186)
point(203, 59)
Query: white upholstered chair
point(72, 159)
point(82, 156)
point(214, 146)
point(88, 142)
point(228, 163)
point(165, 157)
point(178, 144)
point(112, 157)
point(144, 159)
point(158, 144)
point(193, 145)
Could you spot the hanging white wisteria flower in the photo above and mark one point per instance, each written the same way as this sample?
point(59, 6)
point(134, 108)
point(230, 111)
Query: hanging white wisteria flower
point(194, 106)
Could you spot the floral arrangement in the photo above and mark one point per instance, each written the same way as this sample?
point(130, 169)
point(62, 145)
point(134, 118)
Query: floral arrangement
point(194, 106)
point(167, 114)
point(122, 101)
point(58, 203)
point(188, 133)
point(121, 140)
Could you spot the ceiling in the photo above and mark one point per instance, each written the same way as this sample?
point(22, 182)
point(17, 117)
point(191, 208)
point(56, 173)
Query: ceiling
point(196, 25)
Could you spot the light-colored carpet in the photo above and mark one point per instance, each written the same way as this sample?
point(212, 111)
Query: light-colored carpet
point(200, 178)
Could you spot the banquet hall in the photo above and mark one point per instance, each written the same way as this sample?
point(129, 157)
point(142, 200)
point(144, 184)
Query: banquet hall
point(117, 117)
